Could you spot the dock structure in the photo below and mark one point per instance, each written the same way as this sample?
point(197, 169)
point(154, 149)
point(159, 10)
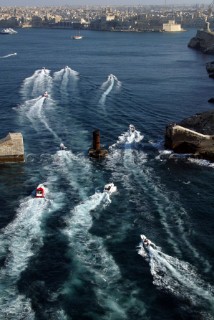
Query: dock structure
point(97, 151)
point(12, 148)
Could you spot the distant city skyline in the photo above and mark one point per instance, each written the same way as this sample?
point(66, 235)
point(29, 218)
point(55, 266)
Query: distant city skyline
point(38, 3)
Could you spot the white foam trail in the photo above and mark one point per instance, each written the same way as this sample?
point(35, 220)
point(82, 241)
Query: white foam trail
point(165, 154)
point(108, 86)
point(66, 81)
point(176, 276)
point(90, 252)
point(66, 161)
point(128, 139)
point(37, 84)
point(34, 110)
point(167, 203)
point(18, 238)
point(19, 241)
point(200, 162)
point(9, 55)
point(171, 214)
point(91, 257)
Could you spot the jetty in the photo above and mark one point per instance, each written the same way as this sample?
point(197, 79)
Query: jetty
point(12, 148)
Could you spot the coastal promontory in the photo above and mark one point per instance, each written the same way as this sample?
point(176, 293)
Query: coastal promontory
point(203, 41)
point(194, 135)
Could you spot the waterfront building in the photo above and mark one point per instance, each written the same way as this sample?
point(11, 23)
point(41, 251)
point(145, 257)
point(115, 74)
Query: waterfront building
point(171, 26)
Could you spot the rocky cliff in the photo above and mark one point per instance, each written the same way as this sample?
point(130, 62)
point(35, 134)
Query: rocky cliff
point(193, 135)
point(203, 41)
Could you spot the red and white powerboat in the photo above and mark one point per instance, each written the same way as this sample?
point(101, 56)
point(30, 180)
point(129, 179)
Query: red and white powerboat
point(41, 191)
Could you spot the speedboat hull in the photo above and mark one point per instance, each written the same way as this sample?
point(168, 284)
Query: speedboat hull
point(41, 191)
point(110, 188)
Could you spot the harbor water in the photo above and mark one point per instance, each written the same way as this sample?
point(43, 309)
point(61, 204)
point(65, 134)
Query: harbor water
point(77, 253)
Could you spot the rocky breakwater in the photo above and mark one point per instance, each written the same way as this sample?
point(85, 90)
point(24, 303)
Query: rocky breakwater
point(194, 135)
point(12, 148)
point(203, 41)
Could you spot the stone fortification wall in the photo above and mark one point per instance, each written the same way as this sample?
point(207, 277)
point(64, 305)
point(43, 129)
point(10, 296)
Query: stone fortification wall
point(12, 148)
point(171, 26)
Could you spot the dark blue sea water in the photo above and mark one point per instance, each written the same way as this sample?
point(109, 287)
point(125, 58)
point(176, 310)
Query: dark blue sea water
point(77, 254)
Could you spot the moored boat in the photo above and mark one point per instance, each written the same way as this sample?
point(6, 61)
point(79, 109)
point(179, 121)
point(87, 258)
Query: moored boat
point(78, 37)
point(8, 31)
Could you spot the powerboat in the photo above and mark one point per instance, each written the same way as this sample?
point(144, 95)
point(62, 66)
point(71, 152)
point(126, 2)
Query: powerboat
point(41, 191)
point(62, 146)
point(147, 243)
point(45, 94)
point(133, 135)
point(131, 128)
point(110, 188)
point(5, 31)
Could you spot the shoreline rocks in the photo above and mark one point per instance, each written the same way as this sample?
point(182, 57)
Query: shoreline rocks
point(194, 135)
point(203, 41)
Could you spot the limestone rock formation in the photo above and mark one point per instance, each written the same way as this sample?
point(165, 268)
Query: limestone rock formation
point(12, 148)
point(203, 41)
point(194, 135)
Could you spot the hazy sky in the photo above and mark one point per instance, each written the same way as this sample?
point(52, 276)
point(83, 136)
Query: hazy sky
point(99, 2)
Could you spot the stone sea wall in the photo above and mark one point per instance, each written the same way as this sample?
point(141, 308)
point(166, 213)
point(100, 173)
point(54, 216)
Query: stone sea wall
point(12, 148)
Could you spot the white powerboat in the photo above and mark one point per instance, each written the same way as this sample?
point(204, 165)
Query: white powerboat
point(147, 243)
point(62, 146)
point(133, 134)
point(131, 128)
point(77, 37)
point(110, 188)
point(41, 191)
point(45, 94)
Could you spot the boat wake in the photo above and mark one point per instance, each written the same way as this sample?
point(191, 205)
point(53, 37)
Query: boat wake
point(92, 263)
point(128, 139)
point(19, 241)
point(65, 162)
point(165, 154)
point(65, 81)
point(34, 110)
point(37, 84)
point(111, 83)
point(128, 166)
point(9, 55)
point(177, 277)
